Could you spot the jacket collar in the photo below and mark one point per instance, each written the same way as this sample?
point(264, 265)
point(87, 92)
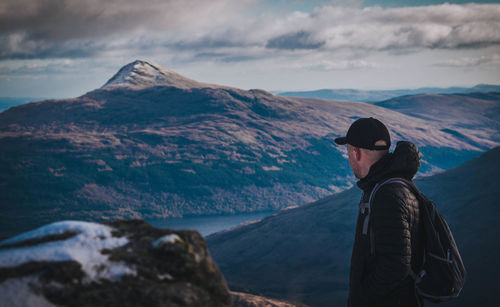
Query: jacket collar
point(403, 162)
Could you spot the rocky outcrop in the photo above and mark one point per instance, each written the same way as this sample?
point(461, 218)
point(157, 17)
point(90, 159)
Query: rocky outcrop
point(122, 263)
point(241, 299)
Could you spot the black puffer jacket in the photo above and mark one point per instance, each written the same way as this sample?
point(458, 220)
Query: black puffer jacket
point(382, 278)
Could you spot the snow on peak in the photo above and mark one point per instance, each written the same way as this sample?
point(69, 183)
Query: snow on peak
point(85, 248)
point(141, 74)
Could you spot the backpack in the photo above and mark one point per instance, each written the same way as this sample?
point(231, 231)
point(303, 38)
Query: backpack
point(442, 274)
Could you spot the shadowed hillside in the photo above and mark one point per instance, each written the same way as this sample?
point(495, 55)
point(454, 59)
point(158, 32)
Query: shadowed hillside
point(304, 253)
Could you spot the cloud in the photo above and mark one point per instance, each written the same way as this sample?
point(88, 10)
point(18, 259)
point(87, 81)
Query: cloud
point(330, 30)
point(469, 62)
point(292, 41)
point(319, 63)
point(66, 28)
point(20, 45)
point(376, 29)
point(221, 30)
point(347, 64)
point(39, 68)
point(60, 20)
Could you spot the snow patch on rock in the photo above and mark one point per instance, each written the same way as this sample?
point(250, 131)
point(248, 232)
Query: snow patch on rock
point(18, 292)
point(85, 248)
point(168, 239)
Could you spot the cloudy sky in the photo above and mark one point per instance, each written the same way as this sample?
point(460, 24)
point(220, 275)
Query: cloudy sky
point(64, 48)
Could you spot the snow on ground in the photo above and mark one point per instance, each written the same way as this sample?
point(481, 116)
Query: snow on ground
point(85, 248)
point(141, 74)
point(18, 292)
point(168, 239)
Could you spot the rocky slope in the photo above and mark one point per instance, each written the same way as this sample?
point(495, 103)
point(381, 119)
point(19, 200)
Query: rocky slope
point(123, 263)
point(241, 299)
point(304, 253)
point(151, 143)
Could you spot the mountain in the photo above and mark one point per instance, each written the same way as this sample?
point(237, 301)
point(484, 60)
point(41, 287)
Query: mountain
point(151, 143)
point(304, 253)
point(374, 95)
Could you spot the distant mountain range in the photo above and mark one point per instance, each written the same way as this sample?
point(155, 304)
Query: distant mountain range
point(374, 95)
point(304, 253)
point(151, 143)
point(7, 102)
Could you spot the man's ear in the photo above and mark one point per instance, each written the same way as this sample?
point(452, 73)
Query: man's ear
point(357, 153)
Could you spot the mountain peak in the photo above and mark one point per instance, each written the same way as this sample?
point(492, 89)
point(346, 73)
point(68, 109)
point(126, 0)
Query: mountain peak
point(141, 74)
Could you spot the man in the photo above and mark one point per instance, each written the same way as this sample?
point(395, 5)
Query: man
point(390, 246)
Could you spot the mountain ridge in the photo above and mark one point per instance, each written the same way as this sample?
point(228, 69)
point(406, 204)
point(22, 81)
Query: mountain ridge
point(372, 96)
point(166, 151)
point(445, 107)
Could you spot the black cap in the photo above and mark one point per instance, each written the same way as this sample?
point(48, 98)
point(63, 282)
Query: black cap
point(364, 133)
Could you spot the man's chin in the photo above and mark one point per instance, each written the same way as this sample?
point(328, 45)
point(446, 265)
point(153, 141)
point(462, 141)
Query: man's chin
point(359, 176)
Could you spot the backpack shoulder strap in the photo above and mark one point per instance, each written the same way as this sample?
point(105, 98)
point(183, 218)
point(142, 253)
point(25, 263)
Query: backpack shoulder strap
point(368, 205)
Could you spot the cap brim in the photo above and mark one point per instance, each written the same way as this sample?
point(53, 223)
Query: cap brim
point(341, 141)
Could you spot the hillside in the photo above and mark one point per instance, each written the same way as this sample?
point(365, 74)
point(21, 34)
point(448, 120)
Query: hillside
point(151, 143)
point(304, 253)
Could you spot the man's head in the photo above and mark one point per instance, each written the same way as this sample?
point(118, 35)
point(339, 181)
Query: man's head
point(367, 141)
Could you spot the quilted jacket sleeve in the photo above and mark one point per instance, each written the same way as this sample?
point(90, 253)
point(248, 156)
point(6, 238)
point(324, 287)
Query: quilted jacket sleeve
point(391, 228)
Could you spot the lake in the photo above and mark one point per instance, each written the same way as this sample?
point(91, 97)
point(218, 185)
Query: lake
point(207, 225)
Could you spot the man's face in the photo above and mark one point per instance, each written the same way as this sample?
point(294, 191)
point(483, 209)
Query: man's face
point(353, 162)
